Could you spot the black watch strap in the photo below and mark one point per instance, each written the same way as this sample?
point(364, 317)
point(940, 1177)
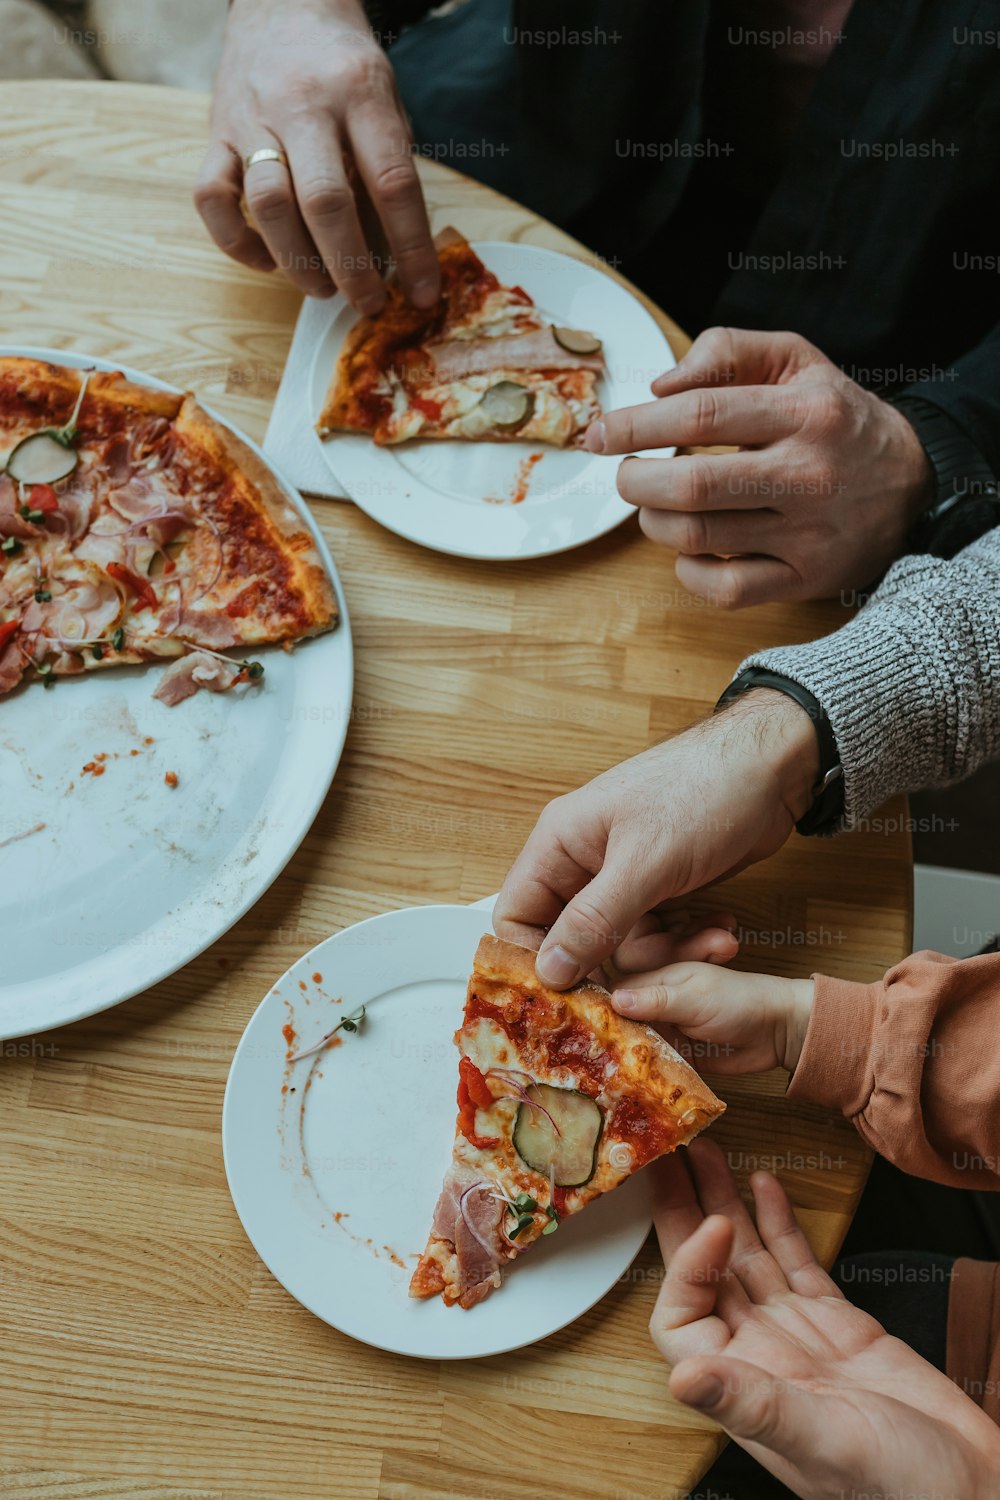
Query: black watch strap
point(828, 794)
point(966, 503)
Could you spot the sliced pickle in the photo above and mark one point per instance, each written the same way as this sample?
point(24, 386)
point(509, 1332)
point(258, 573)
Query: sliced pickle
point(41, 459)
point(575, 341)
point(557, 1131)
point(508, 405)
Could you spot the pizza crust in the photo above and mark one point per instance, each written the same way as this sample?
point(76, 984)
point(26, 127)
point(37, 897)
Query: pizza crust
point(50, 391)
point(262, 491)
point(650, 1059)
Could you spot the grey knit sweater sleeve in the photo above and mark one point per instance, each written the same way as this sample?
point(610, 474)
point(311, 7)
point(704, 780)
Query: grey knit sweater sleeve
point(912, 683)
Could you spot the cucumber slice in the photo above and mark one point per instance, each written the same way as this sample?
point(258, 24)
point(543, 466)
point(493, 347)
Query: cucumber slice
point(575, 341)
point(570, 1146)
point(41, 459)
point(508, 405)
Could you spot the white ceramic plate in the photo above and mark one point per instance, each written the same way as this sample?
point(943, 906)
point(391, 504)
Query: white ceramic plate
point(364, 1131)
point(129, 880)
point(438, 493)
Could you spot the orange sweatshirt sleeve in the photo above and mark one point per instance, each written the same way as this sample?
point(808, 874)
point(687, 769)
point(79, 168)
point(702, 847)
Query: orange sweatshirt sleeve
point(914, 1061)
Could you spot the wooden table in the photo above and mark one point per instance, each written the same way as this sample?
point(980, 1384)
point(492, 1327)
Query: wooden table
point(145, 1351)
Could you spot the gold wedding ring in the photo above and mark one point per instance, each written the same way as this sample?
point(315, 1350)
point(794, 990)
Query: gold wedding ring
point(266, 153)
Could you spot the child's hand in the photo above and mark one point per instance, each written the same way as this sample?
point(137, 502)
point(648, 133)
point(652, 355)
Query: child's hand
point(735, 1023)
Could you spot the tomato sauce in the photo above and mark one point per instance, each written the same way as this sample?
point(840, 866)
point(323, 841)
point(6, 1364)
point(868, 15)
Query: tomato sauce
point(430, 409)
point(647, 1135)
point(570, 1047)
point(523, 481)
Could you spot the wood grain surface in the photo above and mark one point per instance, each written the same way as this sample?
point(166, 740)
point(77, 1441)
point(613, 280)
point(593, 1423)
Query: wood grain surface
point(145, 1352)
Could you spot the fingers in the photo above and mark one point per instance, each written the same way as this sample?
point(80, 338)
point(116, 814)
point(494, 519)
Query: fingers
point(707, 945)
point(676, 1210)
point(677, 1215)
point(684, 1322)
point(329, 210)
point(684, 994)
point(594, 922)
point(760, 1413)
point(750, 1262)
point(655, 942)
point(385, 162)
point(271, 202)
point(727, 533)
point(539, 883)
point(576, 915)
point(738, 582)
point(754, 416)
point(217, 197)
point(737, 356)
point(708, 481)
point(780, 1232)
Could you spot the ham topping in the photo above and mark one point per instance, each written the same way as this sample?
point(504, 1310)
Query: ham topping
point(11, 665)
point(191, 673)
point(455, 359)
point(77, 613)
point(12, 523)
point(147, 447)
point(468, 1215)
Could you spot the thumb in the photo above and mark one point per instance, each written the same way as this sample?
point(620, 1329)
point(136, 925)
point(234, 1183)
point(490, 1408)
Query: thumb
point(752, 1407)
point(593, 925)
point(735, 356)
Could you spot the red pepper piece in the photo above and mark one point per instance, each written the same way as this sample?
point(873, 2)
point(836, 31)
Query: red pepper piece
point(44, 498)
point(473, 1091)
point(141, 587)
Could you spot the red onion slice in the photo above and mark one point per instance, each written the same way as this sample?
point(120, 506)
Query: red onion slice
point(520, 1092)
point(490, 1250)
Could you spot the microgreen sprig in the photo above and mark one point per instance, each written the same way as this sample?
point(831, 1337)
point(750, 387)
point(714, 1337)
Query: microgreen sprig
point(523, 1208)
point(67, 433)
point(346, 1023)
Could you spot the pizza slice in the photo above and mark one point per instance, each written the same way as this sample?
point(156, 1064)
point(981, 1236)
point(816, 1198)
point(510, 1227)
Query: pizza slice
point(559, 1100)
point(136, 528)
point(482, 364)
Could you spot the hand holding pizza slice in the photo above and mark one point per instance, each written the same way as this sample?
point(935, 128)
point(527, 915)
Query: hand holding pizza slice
point(559, 1100)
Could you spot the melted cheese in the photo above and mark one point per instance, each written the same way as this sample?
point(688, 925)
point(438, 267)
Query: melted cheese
point(489, 1046)
point(496, 315)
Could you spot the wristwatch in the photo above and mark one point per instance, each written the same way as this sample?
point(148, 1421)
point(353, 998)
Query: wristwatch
point(828, 793)
point(966, 503)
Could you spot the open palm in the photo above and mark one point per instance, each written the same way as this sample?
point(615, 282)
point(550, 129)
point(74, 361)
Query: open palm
point(812, 1387)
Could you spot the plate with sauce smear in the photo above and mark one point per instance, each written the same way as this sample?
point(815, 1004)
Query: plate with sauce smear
point(335, 1161)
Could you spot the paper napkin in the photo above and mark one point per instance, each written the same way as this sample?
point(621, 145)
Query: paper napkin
point(291, 437)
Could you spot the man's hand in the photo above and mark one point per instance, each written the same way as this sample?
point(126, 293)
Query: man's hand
point(309, 78)
point(765, 1343)
point(674, 819)
point(819, 501)
point(734, 1023)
